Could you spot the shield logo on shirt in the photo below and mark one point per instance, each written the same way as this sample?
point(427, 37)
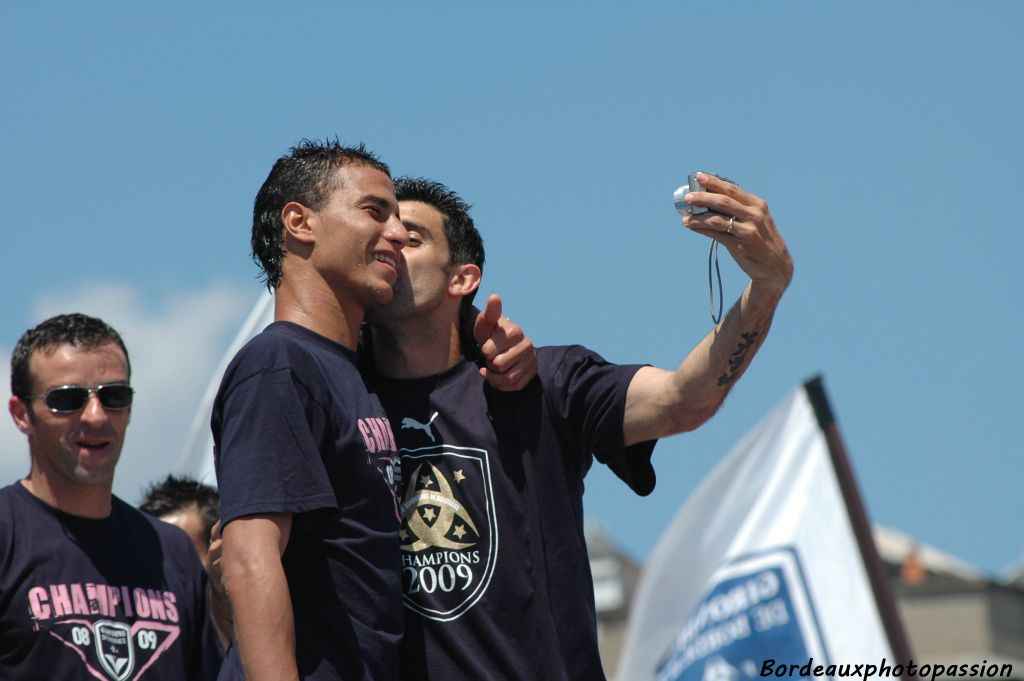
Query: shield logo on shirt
point(449, 531)
point(114, 649)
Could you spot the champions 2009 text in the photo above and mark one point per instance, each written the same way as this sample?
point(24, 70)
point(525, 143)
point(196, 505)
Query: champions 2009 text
point(984, 669)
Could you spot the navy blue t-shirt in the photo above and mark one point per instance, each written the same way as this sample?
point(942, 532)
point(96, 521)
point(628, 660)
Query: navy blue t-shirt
point(296, 431)
point(122, 597)
point(496, 578)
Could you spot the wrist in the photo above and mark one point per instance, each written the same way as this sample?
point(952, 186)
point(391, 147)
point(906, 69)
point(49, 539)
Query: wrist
point(766, 292)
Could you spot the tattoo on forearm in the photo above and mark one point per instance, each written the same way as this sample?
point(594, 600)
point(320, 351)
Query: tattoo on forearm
point(738, 358)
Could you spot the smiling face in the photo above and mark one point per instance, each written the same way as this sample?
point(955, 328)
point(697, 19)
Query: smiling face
point(81, 449)
point(358, 236)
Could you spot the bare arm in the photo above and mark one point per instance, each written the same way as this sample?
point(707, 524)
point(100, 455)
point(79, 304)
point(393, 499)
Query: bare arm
point(661, 403)
point(258, 590)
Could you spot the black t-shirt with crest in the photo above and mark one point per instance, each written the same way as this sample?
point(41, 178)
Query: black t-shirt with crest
point(496, 578)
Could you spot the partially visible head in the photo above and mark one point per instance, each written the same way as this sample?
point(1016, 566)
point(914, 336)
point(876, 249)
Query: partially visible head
point(187, 503)
point(465, 245)
point(461, 239)
point(307, 174)
point(74, 442)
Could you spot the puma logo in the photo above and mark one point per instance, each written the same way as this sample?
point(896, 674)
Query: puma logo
point(411, 423)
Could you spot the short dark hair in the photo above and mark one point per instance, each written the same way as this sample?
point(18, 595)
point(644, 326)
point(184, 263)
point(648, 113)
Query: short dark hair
point(305, 174)
point(465, 245)
point(79, 330)
point(177, 494)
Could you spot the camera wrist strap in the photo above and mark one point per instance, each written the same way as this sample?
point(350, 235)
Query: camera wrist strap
point(713, 257)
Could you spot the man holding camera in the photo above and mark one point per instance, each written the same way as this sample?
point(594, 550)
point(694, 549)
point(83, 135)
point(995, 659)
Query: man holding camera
point(496, 582)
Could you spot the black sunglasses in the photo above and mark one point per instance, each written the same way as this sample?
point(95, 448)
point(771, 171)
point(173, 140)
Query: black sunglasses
point(67, 399)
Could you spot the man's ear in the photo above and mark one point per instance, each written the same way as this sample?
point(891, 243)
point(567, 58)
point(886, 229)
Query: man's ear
point(465, 279)
point(21, 414)
point(296, 219)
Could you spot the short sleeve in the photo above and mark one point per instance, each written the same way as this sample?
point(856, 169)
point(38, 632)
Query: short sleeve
point(268, 451)
point(588, 397)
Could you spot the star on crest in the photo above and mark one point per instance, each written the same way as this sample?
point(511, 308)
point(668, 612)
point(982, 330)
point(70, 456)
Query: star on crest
point(460, 532)
point(425, 481)
point(459, 475)
point(428, 514)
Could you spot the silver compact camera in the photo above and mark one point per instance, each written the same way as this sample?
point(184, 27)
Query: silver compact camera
point(692, 185)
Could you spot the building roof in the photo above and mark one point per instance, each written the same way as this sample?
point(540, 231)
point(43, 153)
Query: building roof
point(896, 548)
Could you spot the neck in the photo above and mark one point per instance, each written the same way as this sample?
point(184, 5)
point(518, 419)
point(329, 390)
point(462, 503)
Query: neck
point(416, 348)
point(315, 307)
point(86, 501)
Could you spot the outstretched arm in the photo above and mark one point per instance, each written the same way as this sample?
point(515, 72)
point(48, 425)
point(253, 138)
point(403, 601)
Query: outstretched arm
point(661, 403)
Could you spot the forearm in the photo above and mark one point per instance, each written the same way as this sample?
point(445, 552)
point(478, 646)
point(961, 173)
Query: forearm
point(264, 626)
point(702, 381)
point(257, 588)
point(661, 403)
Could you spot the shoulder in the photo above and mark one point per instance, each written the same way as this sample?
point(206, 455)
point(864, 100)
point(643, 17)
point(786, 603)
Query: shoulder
point(7, 493)
point(279, 345)
point(578, 374)
point(292, 353)
point(17, 506)
point(7, 510)
point(554, 358)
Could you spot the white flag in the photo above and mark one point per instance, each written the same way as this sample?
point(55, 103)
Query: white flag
point(760, 564)
point(196, 458)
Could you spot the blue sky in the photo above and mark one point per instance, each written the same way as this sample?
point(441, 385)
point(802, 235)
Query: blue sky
point(885, 137)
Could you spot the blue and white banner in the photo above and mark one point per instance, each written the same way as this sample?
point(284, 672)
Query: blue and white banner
point(197, 457)
point(759, 568)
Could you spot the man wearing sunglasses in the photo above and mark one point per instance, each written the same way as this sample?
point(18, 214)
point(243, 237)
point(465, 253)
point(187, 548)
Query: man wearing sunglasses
point(89, 586)
point(496, 579)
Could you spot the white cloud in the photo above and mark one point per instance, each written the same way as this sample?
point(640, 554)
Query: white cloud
point(174, 344)
point(14, 461)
